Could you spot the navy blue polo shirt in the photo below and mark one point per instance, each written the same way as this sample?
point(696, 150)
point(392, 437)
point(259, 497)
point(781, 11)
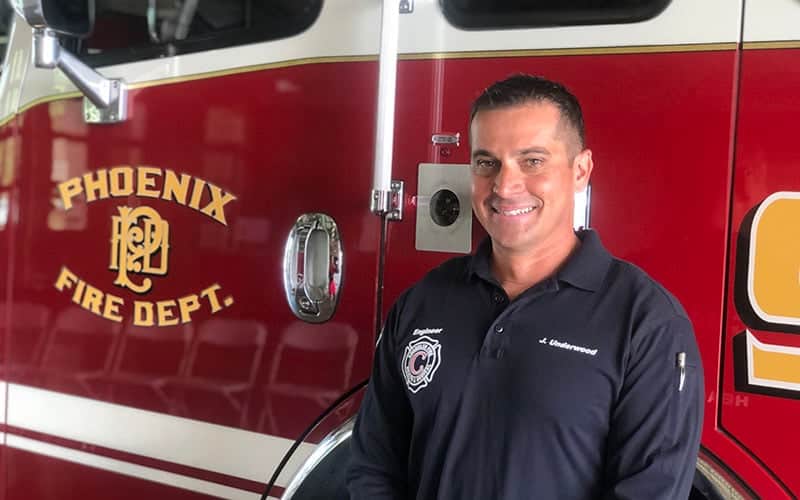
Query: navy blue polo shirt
point(587, 386)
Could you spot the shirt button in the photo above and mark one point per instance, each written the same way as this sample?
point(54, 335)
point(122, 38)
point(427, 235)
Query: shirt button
point(498, 329)
point(497, 298)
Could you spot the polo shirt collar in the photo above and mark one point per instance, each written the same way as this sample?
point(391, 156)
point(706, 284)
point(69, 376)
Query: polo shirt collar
point(479, 264)
point(585, 269)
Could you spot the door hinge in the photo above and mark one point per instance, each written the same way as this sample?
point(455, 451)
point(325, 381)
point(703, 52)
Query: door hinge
point(388, 203)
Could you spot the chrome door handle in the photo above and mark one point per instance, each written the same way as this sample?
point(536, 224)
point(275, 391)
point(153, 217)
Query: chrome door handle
point(312, 267)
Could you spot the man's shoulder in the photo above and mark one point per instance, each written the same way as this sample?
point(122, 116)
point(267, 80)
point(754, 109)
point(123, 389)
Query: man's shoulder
point(452, 271)
point(644, 292)
point(426, 294)
point(436, 282)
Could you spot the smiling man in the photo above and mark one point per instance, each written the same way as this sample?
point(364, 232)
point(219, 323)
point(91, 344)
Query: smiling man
point(541, 367)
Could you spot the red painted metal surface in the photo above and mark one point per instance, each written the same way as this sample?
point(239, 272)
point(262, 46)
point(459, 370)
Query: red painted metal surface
point(38, 476)
point(8, 168)
point(766, 162)
point(281, 147)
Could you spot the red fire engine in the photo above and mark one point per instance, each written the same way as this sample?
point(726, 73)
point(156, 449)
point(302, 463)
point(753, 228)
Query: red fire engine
point(206, 209)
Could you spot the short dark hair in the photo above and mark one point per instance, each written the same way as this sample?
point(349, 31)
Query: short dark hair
point(522, 88)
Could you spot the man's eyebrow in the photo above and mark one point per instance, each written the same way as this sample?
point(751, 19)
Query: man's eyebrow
point(537, 150)
point(481, 152)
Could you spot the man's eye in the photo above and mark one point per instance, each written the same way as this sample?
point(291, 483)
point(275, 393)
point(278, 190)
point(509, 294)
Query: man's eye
point(533, 162)
point(484, 167)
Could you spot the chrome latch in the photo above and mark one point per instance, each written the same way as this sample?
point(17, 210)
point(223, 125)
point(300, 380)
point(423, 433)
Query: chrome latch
point(389, 203)
point(406, 6)
point(440, 139)
point(313, 263)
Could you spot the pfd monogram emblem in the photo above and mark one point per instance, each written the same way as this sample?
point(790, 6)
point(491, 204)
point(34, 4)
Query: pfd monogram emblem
point(139, 245)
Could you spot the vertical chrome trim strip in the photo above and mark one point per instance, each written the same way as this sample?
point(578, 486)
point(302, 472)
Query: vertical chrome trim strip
point(384, 129)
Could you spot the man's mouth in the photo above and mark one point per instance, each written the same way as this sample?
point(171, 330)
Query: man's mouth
point(515, 211)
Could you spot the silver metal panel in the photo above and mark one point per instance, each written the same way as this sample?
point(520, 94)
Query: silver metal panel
point(439, 227)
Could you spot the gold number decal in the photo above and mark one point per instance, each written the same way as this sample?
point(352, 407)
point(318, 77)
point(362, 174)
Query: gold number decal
point(768, 296)
point(773, 281)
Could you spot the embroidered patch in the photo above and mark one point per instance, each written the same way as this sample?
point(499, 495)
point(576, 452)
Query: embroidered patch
point(420, 361)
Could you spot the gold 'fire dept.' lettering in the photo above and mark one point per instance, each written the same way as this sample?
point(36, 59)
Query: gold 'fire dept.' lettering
point(147, 182)
point(160, 313)
point(139, 245)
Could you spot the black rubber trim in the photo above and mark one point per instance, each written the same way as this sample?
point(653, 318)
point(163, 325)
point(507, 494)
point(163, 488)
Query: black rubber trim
point(711, 457)
point(483, 19)
point(210, 41)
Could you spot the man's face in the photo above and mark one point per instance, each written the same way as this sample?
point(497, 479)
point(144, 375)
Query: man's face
point(526, 169)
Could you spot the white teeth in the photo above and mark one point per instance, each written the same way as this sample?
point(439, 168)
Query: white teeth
point(518, 211)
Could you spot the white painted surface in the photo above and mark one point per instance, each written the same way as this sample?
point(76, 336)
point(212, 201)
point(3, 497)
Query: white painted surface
point(772, 20)
point(352, 28)
point(226, 450)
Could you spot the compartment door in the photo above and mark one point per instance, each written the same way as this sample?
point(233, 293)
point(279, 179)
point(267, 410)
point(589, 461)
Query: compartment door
point(761, 349)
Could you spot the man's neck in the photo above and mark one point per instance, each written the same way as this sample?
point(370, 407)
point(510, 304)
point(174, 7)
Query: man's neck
point(516, 272)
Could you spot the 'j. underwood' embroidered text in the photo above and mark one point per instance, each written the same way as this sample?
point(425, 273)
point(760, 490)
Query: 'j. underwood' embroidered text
point(567, 346)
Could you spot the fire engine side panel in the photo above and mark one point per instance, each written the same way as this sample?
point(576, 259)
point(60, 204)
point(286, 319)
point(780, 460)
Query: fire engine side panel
point(759, 413)
point(7, 167)
point(210, 405)
point(11, 76)
point(763, 407)
point(658, 119)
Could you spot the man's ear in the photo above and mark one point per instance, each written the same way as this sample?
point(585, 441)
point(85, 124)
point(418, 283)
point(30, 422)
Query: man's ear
point(582, 166)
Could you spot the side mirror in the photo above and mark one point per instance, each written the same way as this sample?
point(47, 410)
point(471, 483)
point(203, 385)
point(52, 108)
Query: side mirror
point(66, 17)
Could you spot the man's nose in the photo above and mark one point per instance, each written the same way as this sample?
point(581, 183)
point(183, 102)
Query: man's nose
point(508, 181)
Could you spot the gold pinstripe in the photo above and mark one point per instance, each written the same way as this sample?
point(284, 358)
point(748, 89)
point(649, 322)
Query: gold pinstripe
point(788, 44)
point(634, 49)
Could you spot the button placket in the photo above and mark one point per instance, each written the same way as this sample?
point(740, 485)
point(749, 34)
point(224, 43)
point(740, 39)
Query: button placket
point(496, 337)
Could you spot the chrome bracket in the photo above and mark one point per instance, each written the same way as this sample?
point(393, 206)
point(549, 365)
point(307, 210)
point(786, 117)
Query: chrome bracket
point(406, 6)
point(105, 99)
point(389, 203)
point(115, 111)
